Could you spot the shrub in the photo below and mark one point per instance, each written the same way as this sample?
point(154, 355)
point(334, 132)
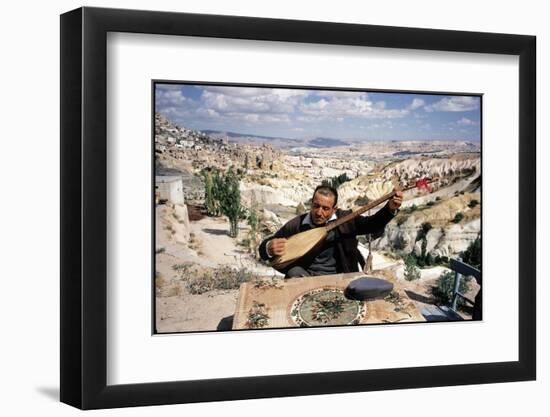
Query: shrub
point(221, 278)
point(473, 203)
point(201, 284)
point(443, 292)
point(228, 278)
point(458, 217)
point(472, 254)
point(429, 259)
point(335, 182)
point(399, 242)
point(181, 267)
point(441, 260)
point(412, 272)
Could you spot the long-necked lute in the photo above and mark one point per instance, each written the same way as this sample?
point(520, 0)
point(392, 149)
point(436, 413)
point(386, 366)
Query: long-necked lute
point(301, 244)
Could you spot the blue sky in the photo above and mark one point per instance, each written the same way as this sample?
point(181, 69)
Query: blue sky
point(299, 113)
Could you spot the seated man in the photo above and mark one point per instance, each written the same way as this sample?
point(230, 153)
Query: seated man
point(339, 252)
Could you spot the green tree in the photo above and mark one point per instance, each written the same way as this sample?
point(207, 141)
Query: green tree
point(424, 229)
point(228, 195)
point(212, 207)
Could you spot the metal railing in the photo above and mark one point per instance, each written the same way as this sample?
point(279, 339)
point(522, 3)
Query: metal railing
point(462, 269)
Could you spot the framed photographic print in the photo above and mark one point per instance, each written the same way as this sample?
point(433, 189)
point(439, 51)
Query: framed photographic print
point(258, 208)
point(256, 172)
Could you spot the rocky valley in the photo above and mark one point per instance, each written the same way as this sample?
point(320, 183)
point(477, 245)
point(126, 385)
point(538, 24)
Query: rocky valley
point(276, 182)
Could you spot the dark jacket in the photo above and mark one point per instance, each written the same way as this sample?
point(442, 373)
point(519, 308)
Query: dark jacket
point(346, 251)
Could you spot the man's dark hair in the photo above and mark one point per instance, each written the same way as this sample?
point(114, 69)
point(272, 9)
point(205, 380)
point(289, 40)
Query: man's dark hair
point(326, 190)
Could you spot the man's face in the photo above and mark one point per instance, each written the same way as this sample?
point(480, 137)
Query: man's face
point(322, 208)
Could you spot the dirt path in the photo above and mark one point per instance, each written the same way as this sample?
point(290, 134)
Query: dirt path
point(211, 237)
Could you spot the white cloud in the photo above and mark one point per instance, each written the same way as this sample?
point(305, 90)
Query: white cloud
point(357, 105)
point(210, 113)
point(416, 103)
point(255, 118)
point(454, 104)
point(169, 97)
point(256, 106)
point(251, 100)
point(234, 91)
point(466, 122)
point(287, 93)
point(307, 119)
point(340, 94)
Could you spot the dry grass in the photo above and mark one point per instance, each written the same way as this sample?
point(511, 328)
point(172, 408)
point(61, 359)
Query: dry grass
point(160, 281)
point(195, 244)
point(221, 278)
point(178, 218)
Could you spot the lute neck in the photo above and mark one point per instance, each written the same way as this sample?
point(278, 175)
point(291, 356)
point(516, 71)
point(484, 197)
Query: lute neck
point(350, 216)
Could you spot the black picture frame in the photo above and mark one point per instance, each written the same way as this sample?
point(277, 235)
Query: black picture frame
point(84, 208)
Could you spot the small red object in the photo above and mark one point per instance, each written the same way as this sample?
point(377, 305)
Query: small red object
point(423, 184)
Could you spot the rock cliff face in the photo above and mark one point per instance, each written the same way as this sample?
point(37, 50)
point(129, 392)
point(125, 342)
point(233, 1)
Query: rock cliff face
point(442, 241)
point(447, 236)
point(278, 192)
point(419, 167)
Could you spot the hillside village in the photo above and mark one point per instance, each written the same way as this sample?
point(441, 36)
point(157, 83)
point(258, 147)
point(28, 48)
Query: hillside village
point(276, 184)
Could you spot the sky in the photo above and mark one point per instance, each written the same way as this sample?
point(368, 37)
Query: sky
point(304, 114)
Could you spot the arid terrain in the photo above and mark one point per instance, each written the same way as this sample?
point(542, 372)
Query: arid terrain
point(195, 253)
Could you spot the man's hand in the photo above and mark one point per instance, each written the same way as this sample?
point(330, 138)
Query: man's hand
point(276, 247)
point(396, 200)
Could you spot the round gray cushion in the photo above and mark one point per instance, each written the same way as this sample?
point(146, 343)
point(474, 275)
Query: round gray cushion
point(368, 288)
